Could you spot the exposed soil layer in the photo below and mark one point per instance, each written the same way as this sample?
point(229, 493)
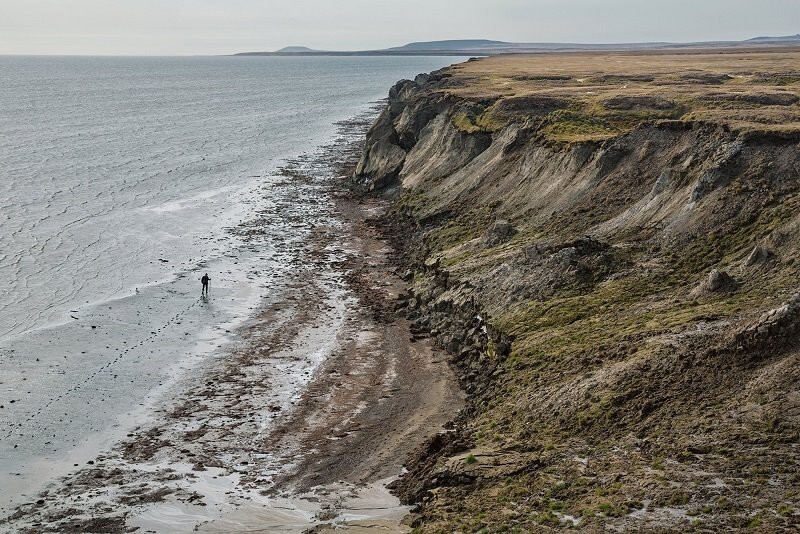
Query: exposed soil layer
point(610, 263)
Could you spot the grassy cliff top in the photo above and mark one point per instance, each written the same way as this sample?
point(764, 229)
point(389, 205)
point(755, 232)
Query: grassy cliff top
point(593, 96)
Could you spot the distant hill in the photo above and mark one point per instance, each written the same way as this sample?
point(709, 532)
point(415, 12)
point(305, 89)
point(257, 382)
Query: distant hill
point(456, 44)
point(296, 50)
point(486, 47)
point(782, 39)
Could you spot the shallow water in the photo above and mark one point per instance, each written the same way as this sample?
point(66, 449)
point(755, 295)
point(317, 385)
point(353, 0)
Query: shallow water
point(119, 181)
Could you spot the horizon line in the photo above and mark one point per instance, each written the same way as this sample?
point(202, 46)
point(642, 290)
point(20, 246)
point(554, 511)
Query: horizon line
point(395, 48)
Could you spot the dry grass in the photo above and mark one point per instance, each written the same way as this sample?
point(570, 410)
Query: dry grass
point(590, 96)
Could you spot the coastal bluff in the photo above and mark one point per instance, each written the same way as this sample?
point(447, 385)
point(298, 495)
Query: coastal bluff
point(605, 246)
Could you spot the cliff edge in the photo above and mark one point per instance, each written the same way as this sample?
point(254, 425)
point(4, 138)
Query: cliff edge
point(605, 245)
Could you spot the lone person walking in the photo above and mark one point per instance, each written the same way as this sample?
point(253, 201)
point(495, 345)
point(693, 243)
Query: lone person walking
point(205, 280)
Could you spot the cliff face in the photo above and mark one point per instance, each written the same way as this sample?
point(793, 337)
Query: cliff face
point(620, 308)
point(393, 144)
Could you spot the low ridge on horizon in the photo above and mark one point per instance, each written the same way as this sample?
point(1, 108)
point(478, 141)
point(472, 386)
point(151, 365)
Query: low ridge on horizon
point(491, 47)
point(295, 50)
point(454, 44)
point(795, 37)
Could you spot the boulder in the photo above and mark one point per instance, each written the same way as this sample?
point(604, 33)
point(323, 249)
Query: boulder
point(533, 253)
point(758, 256)
point(422, 79)
point(607, 159)
point(710, 180)
point(719, 281)
point(499, 232)
point(716, 281)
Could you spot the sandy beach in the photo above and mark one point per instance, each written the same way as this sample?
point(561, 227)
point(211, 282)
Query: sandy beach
point(307, 417)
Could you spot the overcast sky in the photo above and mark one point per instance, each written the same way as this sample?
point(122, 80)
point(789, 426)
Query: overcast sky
point(181, 27)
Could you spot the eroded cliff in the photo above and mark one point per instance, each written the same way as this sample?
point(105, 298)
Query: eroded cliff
point(607, 250)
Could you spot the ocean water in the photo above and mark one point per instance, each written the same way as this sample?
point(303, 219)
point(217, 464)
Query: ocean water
point(119, 181)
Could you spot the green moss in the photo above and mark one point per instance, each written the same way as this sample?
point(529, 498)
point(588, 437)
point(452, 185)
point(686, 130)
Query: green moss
point(755, 521)
point(486, 122)
point(548, 518)
point(613, 312)
point(409, 201)
point(624, 120)
point(465, 123)
point(457, 231)
point(678, 498)
point(609, 509)
point(450, 235)
point(566, 125)
point(598, 411)
point(575, 323)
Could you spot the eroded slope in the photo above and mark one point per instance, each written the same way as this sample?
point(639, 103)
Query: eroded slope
point(605, 244)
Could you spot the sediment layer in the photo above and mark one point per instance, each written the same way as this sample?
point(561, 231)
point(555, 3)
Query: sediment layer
point(605, 246)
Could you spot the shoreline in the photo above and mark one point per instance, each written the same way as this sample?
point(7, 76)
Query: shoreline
point(133, 354)
point(314, 406)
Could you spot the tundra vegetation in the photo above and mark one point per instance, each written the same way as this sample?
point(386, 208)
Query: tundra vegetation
point(605, 245)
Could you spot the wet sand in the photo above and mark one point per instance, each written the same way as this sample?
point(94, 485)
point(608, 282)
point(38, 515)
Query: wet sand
point(301, 423)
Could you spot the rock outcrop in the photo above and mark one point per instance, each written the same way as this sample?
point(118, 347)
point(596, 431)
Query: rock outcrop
point(774, 329)
point(383, 156)
point(499, 232)
point(758, 256)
